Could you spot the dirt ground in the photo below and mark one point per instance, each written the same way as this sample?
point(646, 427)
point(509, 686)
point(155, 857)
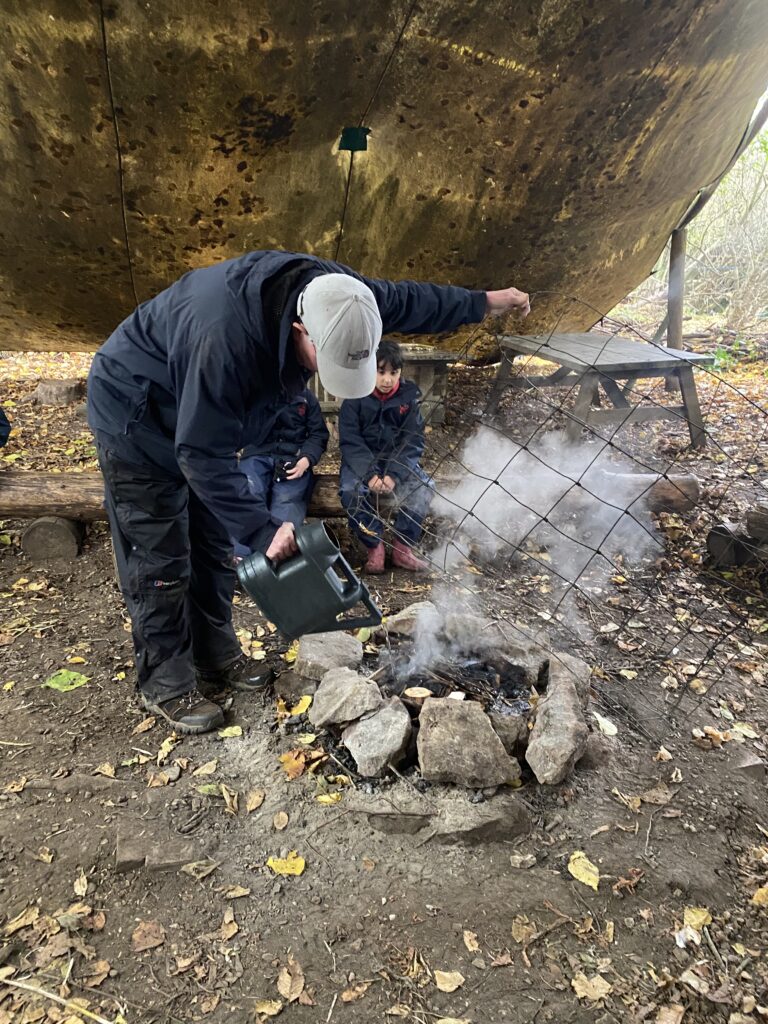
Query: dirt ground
point(676, 931)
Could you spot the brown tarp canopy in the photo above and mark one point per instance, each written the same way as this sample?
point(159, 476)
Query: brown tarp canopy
point(552, 144)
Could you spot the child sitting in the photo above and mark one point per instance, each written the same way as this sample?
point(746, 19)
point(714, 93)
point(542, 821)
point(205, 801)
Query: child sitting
point(279, 467)
point(382, 439)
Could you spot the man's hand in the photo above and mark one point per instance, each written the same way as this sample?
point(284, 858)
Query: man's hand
point(298, 470)
point(376, 484)
point(388, 484)
point(508, 300)
point(283, 544)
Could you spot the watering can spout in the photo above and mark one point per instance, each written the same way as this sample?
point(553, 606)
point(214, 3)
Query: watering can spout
point(312, 592)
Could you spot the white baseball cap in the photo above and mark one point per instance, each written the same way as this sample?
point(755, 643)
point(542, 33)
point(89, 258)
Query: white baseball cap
point(343, 320)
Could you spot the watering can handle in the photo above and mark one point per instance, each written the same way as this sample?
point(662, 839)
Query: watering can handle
point(372, 619)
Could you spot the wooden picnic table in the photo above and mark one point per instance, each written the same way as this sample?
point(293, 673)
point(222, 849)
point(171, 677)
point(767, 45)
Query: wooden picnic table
point(590, 362)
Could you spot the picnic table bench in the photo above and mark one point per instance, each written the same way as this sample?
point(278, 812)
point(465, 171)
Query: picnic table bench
point(593, 361)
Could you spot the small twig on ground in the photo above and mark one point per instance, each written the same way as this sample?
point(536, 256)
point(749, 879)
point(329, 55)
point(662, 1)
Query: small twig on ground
point(540, 935)
point(68, 1004)
point(11, 743)
point(715, 950)
point(426, 839)
point(331, 954)
point(345, 768)
point(333, 1004)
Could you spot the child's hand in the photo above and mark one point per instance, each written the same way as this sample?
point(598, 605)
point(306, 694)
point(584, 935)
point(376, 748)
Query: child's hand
point(376, 484)
point(388, 484)
point(283, 544)
point(297, 471)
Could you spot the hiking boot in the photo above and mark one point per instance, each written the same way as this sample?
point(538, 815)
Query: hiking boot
point(243, 674)
point(405, 558)
point(374, 564)
point(189, 712)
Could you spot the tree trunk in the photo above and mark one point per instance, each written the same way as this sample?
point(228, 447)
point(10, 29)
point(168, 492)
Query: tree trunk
point(52, 538)
point(80, 495)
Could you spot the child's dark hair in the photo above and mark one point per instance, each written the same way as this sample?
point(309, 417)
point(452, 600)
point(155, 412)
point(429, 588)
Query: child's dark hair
point(389, 352)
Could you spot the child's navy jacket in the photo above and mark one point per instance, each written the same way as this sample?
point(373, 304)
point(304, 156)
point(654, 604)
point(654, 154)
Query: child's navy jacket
point(293, 427)
point(382, 435)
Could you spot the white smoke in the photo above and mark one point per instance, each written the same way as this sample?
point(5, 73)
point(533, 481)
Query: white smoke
point(574, 507)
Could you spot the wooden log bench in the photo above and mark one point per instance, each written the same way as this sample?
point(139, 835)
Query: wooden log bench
point(59, 503)
point(591, 362)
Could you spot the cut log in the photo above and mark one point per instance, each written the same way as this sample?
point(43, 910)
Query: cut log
point(59, 392)
point(80, 495)
point(757, 522)
point(52, 538)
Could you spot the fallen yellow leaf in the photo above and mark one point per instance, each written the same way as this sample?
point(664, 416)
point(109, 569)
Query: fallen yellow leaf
point(302, 706)
point(583, 870)
point(760, 899)
point(470, 941)
point(105, 769)
point(293, 864)
point(254, 798)
point(354, 992)
point(207, 769)
point(696, 917)
point(230, 732)
point(594, 988)
point(268, 1007)
point(448, 981)
point(328, 798)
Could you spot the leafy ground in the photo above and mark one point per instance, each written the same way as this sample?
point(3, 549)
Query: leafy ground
point(675, 930)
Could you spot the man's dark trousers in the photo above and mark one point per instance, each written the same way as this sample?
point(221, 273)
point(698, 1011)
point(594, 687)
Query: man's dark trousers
point(174, 563)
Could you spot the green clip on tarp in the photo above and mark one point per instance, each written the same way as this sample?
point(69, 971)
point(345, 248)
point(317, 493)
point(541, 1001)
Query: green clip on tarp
point(354, 139)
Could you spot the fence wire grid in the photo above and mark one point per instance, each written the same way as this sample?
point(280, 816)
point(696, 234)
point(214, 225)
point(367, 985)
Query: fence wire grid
point(689, 645)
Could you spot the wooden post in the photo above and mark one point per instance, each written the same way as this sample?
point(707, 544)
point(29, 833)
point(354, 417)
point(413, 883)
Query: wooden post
point(675, 295)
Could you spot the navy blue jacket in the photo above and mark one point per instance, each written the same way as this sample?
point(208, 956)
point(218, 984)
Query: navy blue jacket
point(293, 427)
point(384, 436)
point(178, 380)
point(5, 428)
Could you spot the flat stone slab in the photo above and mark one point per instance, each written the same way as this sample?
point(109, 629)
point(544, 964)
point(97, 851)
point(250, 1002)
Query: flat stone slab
point(320, 652)
point(343, 696)
point(290, 686)
point(456, 743)
point(406, 621)
point(380, 739)
point(560, 734)
point(141, 848)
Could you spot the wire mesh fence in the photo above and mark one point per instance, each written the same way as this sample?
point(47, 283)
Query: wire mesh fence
point(564, 541)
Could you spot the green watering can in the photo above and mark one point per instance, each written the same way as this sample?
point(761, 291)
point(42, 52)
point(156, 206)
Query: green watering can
point(310, 592)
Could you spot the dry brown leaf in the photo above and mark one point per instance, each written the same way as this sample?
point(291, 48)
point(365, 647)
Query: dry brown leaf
point(147, 935)
point(368, 863)
point(305, 999)
point(290, 981)
point(470, 941)
point(95, 973)
point(80, 885)
point(144, 726)
point(254, 798)
point(16, 786)
point(95, 922)
point(660, 795)
point(672, 1014)
point(231, 798)
point(594, 988)
point(355, 992)
point(523, 930)
point(208, 768)
point(280, 821)
point(235, 892)
point(662, 754)
point(209, 1002)
point(448, 981)
point(105, 769)
point(502, 960)
point(229, 926)
point(27, 917)
point(293, 763)
point(199, 869)
point(44, 854)
point(398, 1010)
point(267, 1007)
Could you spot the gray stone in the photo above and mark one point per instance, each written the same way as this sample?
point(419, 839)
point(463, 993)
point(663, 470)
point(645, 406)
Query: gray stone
point(130, 850)
point(576, 670)
point(749, 764)
point(172, 854)
point(456, 743)
point(290, 686)
point(379, 739)
point(512, 730)
point(503, 817)
point(321, 652)
point(343, 696)
point(559, 735)
point(58, 392)
point(140, 848)
point(405, 622)
point(530, 659)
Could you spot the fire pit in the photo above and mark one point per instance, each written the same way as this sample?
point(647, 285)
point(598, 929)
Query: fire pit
point(473, 714)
